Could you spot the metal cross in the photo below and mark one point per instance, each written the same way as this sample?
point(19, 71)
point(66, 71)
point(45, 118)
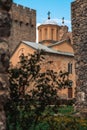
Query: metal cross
point(63, 20)
point(49, 14)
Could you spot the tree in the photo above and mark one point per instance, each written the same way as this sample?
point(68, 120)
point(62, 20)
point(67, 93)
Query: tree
point(26, 106)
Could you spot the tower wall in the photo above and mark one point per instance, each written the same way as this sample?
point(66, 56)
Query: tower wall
point(23, 25)
point(5, 29)
point(79, 32)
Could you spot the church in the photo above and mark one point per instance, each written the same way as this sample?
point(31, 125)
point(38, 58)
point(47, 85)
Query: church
point(56, 41)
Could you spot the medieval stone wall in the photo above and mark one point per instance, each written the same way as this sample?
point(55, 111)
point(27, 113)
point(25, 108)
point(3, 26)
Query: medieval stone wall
point(5, 29)
point(23, 25)
point(79, 30)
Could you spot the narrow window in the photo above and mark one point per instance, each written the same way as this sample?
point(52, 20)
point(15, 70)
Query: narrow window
point(52, 34)
point(15, 21)
point(40, 35)
point(70, 68)
point(57, 34)
point(69, 92)
point(46, 34)
point(21, 23)
point(27, 24)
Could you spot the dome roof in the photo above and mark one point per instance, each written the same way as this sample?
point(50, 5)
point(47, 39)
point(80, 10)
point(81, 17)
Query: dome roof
point(50, 21)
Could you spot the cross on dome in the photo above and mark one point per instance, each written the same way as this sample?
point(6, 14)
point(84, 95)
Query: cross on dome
point(63, 20)
point(49, 14)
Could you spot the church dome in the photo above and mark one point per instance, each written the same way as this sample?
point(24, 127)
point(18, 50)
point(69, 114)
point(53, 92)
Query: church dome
point(50, 21)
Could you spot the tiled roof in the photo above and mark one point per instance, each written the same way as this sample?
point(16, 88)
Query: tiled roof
point(57, 43)
point(38, 46)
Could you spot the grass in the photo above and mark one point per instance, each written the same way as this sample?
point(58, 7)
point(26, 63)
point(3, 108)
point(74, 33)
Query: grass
point(66, 110)
point(63, 110)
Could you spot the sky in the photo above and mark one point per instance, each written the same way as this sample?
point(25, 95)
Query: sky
point(58, 9)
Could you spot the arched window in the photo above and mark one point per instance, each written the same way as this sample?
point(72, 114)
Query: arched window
point(21, 50)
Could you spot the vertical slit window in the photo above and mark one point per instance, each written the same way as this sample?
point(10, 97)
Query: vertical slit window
point(40, 35)
point(21, 23)
point(45, 34)
point(52, 34)
point(69, 92)
point(70, 68)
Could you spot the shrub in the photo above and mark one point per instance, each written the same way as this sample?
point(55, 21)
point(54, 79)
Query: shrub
point(63, 123)
point(66, 102)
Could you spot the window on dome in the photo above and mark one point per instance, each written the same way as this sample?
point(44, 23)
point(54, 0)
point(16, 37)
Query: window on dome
point(40, 37)
point(45, 33)
point(57, 34)
point(52, 31)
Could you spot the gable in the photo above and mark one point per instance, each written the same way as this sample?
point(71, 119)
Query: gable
point(22, 48)
point(63, 47)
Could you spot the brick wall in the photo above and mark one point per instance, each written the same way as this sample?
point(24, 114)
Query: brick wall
point(79, 29)
point(23, 25)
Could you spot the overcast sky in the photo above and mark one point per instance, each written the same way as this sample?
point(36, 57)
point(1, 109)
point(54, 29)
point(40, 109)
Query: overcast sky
point(58, 9)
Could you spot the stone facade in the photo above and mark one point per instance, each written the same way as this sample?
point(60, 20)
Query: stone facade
point(5, 19)
point(23, 25)
point(79, 30)
point(5, 26)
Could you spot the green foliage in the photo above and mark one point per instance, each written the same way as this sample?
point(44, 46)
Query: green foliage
point(60, 123)
point(66, 123)
point(68, 102)
point(48, 122)
point(23, 110)
point(66, 110)
point(45, 92)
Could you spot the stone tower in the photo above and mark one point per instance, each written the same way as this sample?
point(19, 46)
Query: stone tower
point(5, 26)
point(79, 30)
point(23, 25)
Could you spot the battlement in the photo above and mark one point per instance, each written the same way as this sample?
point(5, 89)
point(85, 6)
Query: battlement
point(23, 25)
point(25, 9)
point(23, 14)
